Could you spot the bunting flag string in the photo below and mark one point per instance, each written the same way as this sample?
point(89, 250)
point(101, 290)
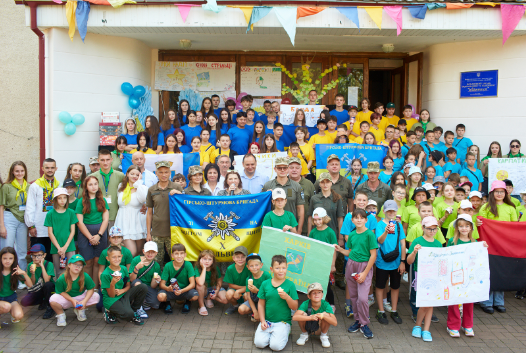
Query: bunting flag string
point(287, 17)
point(455, 6)
point(247, 12)
point(375, 12)
point(418, 11)
point(99, 2)
point(351, 13)
point(395, 12)
point(184, 10)
point(119, 3)
point(434, 6)
point(71, 7)
point(211, 5)
point(258, 12)
point(511, 15)
point(308, 11)
point(82, 16)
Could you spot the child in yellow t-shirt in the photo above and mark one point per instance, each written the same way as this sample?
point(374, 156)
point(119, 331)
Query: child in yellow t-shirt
point(321, 137)
point(306, 159)
point(353, 111)
point(391, 117)
point(375, 129)
point(408, 112)
point(364, 128)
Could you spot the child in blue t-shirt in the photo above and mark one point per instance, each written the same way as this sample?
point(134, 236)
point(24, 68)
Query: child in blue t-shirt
point(461, 143)
point(452, 166)
point(472, 173)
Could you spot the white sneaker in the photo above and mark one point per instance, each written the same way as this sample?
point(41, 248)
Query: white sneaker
point(325, 341)
point(61, 320)
point(22, 285)
point(333, 309)
point(304, 337)
point(387, 307)
point(14, 321)
point(81, 315)
point(370, 301)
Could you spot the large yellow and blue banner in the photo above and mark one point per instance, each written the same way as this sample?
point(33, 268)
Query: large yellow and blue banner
point(218, 223)
point(347, 152)
point(308, 260)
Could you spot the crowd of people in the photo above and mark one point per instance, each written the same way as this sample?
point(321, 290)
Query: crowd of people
point(102, 236)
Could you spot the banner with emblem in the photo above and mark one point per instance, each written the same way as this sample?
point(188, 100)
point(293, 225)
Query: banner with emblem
point(219, 223)
point(347, 152)
point(308, 260)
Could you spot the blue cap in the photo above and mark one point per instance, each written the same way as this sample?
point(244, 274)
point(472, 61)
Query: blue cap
point(37, 248)
point(253, 256)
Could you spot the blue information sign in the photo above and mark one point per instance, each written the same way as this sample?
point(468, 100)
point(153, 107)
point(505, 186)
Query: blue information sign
point(479, 84)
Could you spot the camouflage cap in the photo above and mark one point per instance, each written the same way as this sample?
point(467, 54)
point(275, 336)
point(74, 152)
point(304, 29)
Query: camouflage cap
point(332, 156)
point(294, 160)
point(163, 164)
point(324, 176)
point(373, 167)
point(281, 161)
point(93, 160)
point(193, 170)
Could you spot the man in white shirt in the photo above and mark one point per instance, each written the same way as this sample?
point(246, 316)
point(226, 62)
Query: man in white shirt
point(224, 164)
point(252, 180)
point(148, 177)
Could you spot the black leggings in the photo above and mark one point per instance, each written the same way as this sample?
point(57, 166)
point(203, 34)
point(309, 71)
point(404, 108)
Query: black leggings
point(330, 295)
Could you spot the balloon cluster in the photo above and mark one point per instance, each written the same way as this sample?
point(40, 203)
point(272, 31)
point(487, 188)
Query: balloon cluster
point(71, 122)
point(239, 106)
point(134, 92)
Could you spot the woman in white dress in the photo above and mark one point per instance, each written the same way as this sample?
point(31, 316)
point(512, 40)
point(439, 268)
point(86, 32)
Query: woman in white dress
point(131, 196)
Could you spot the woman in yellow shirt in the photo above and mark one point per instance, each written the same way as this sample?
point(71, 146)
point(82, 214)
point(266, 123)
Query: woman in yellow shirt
point(206, 146)
point(143, 141)
point(170, 145)
point(204, 158)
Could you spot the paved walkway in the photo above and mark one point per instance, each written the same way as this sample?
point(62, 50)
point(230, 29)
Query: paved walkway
point(224, 334)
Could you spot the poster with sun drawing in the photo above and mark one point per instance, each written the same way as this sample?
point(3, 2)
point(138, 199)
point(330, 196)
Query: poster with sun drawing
point(219, 223)
point(453, 275)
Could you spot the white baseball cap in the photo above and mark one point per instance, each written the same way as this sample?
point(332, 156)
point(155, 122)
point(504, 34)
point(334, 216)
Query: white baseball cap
point(428, 187)
point(465, 204)
point(151, 246)
point(319, 212)
point(465, 217)
point(475, 194)
point(278, 193)
point(60, 191)
point(372, 202)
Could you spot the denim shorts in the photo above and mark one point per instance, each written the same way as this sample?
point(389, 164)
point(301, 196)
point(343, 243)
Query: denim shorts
point(9, 299)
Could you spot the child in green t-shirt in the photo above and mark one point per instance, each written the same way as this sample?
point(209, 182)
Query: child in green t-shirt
point(362, 246)
point(279, 218)
point(146, 270)
point(315, 316)
point(178, 281)
point(120, 299)
point(74, 289)
point(277, 297)
point(208, 281)
point(236, 276)
point(430, 227)
point(11, 272)
point(61, 224)
point(324, 233)
point(253, 283)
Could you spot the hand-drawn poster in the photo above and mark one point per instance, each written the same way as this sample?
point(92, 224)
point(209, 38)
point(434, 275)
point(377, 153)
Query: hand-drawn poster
point(312, 113)
point(199, 76)
point(453, 275)
point(508, 168)
point(261, 81)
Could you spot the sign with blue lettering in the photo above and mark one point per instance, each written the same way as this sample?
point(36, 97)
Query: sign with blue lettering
point(479, 84)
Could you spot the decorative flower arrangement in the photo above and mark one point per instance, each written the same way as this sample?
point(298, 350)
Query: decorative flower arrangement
point(302, 89)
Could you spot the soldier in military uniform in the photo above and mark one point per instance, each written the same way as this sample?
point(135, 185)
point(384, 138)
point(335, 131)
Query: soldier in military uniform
point(295, 200)
point(306, 185)
point(373, 187)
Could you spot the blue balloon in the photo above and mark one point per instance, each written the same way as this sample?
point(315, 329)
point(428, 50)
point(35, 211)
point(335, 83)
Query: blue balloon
point(70, 129)
point(64, 117)
point(139, 91)
point(134, 102)
point(78, 119)
point(127, 88)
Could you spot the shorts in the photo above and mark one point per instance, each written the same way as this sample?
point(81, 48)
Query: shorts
point(151, 296)
point(11, 298)
point(66, 304)
point(383, 275)
point(87, 250)
point(185, 296)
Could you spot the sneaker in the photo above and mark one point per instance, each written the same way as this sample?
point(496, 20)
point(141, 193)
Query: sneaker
point(42, 306)
point(405, 277)
point(500, 308)
point(370, 301)
point(231, 309)
point(109, 318)
point(388, 307)
point(487, 309)
point(186, 307)
point(145, 307)
point(168, 309)
point(81, 314)
point(426, 336)
point(22, 285)
point(137, 319)
point(382, 318)
point(348, 310)
point(367, 333)
point(304, 337)
point(61, 320)
point(142, 313)
point(14, 321)
point(453, 333)
point(518, 295)
point(49, 313)
point(325, 343)
point(434, 319)
point(333, 309)
point(417, 332)
point(354, 327)
point(468, 332)
point(396, 318)
point(252, 318)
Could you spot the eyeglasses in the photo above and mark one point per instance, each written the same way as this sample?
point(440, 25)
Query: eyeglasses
point(432, 230)
point(36, 256)
point(499, 192)
point(515, 146)
point(282, 168)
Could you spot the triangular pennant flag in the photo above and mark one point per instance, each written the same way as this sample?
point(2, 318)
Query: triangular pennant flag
point(455, 6)
point(308, 11)
point(82, 16)
point(247, 11)
point(418, 11)
point(211, 5)
point(375, 12)
point(395, 12)
point(351, 13)
point(511, 15)
point(71, 7)
point(287, 17)
point(258, 12)
point(434, 6)
point(57, 1)
point(184, 10)
point(492, 4)
point(119, 3)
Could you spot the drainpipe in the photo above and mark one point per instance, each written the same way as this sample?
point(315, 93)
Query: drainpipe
point(41, 80)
